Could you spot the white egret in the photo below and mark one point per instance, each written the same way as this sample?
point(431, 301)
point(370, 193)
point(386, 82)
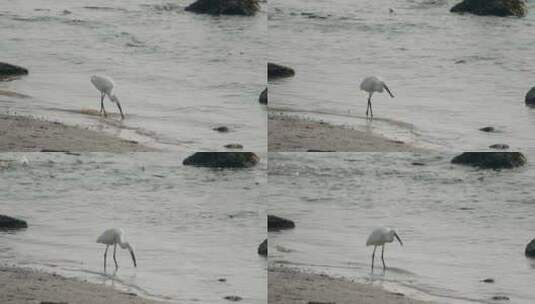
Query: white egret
point(115, 237)
point(371, 85)
point(105, 86)
point(379, 237)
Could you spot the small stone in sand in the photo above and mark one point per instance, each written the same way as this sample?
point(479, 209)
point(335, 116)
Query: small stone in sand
point(221, 129)
point(233, 298)
point(499, 146)
point(500, 298)
point(489, 280)
point(234, 146)
point(488, 129)
point(418, 164)
point(222, 280)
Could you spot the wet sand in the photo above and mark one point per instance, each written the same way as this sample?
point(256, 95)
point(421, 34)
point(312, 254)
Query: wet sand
point(292, 134)
point(286, 286)
point(19, 285)
point(28, 134)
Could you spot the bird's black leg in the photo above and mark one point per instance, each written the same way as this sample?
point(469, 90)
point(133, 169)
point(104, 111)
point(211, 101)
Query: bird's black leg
point(368, 106)
point(105, 254)
point(114, 258)
point(373, 256)
point(120, 110)
point(371, 110)
point(382, 257)
point(101, 103)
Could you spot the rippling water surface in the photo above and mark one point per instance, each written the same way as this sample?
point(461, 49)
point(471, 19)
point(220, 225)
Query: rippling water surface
point(178, 74)
point(451, 74)
point(459, 225)
point(189, 226)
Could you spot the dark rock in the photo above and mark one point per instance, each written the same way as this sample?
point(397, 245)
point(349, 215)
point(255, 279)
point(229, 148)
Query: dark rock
point(263, 248)
point(417, 164)
point(221, 280)
point(7, 222)
point(490, 160)
point(10, 70)
point(501, 8)
point(489, 280)
point(279, 71)
point(530, 249)
point(316, 302)
point(278, 223)
point(49, 302)
point(233, 298)
point(500, 298)
point(530, 97)
point(263, 98)
point(221, 129)
point(234, 146)
point(222, 159)
point(499, 146)
point(488, 129)
point(316, 150)
point(225, 7)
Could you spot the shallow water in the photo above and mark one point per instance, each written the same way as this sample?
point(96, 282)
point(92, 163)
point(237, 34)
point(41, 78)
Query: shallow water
point(189, 226)
point(459, 225)
point(177, 74)
point(450, 74)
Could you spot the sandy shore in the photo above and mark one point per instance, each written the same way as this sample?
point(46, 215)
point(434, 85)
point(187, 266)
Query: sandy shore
point(27, 134)
point(286, 286)
point(292, 134)
point(19, 286)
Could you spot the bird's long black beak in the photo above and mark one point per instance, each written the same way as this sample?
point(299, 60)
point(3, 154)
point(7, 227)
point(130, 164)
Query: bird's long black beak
point(397, 237)
point(388, 90)
point(133, 257)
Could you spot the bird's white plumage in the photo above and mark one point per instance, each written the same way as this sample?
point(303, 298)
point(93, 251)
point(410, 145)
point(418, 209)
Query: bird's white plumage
point(111, 236)
point(103, 83)
point(380, 236)
point(372, 84)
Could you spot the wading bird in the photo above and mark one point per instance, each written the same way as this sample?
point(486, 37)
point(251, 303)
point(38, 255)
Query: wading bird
point(371, 85)
point(379, 237)
point(105, 86)
point(115, 237)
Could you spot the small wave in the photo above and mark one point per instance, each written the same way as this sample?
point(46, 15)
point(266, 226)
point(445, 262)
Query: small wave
point(105, 8)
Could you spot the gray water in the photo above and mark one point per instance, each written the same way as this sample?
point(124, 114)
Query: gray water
point(177, 74)
point(459, 225)
point(438, 102)
point(189, 226)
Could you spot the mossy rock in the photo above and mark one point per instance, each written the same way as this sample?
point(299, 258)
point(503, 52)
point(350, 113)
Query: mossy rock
point(491, 160)
point(501, 8)
point(224, 7)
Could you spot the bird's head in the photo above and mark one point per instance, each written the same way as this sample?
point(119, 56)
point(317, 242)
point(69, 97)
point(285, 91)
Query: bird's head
point(127, 245)
point(397, 237)
point(388, 90)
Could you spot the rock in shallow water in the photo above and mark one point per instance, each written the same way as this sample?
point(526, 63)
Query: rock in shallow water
point(263, 248)
point(279, 223)
point(225, 7)
point(530, 97)
point(222, 159)
point(7, 222)
point(530, 249)
point(8, 70)
point(501, 8)
point(490, 160)
point(279, 71)
point(263, 98)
